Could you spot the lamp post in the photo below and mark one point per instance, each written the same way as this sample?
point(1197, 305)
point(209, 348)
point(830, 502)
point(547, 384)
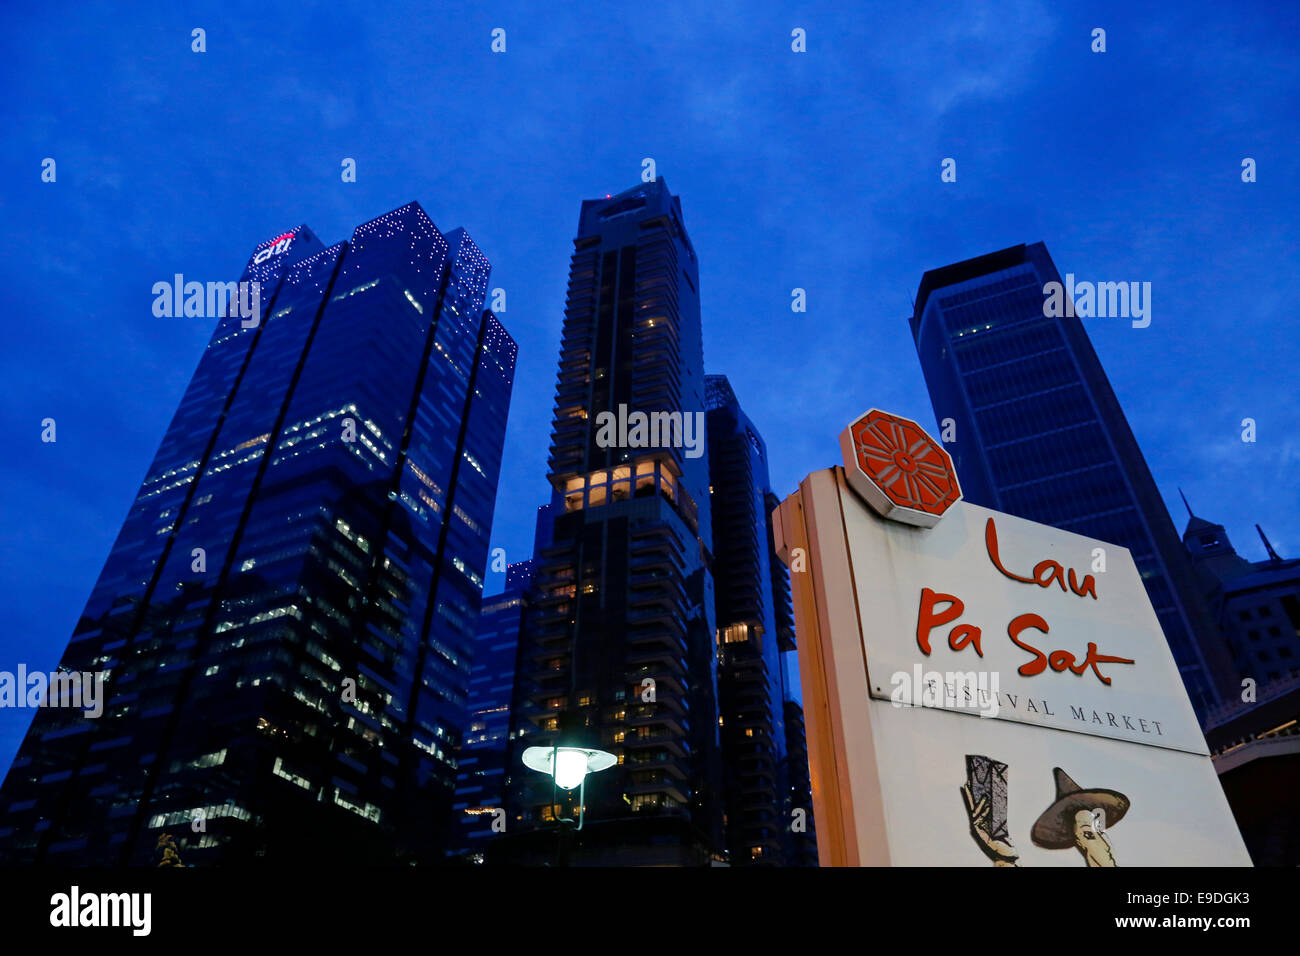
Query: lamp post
point(568, 760)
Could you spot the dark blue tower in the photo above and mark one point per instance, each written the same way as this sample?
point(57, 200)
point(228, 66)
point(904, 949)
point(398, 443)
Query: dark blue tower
point(287, 616)
point(1035, 430)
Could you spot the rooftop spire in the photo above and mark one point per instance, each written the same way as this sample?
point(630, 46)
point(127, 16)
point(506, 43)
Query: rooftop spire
point(1268, 545)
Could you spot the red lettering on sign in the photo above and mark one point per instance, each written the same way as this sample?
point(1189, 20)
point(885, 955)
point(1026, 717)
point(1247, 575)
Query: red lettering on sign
point(1045, 572)
point(1018, 624)
point(1089, 585)
point(927, 619)
point(991, 545)
point(1093, 659)
point(1058, 660)
point(939, 609)
point(964, 634)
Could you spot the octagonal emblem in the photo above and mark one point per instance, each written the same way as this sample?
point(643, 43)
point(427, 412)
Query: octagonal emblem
point(899, 470)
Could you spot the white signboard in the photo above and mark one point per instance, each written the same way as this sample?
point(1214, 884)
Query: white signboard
point(1014, 608)
point(980, 689)
point(1117, 804)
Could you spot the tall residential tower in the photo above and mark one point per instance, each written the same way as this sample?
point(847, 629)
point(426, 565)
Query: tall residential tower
point(621, 637)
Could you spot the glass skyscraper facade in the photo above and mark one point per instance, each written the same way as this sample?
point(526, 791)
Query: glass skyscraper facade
point(748, 578)
point(621, 637)
point(479, 809)
point(287, 616)
point(803, 833)
point(1040, 434)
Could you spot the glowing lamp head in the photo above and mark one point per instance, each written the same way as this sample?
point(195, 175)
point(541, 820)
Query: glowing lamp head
point(570, 768)
point(569, 765)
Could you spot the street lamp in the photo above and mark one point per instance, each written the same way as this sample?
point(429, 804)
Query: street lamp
point(568, 761)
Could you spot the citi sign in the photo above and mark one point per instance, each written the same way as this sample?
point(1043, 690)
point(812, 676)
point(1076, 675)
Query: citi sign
point(277, 247)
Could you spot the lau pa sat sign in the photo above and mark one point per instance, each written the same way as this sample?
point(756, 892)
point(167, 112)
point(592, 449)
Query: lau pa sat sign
point(981, 689)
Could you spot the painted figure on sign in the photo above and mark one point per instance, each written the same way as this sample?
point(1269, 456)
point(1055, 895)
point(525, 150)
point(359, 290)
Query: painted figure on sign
point(1077, 818)
point(985, 795)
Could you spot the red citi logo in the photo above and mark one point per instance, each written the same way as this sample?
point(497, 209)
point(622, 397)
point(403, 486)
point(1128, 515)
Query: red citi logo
point(278, 245)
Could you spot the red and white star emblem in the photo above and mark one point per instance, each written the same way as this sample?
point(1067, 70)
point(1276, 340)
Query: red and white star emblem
point(903, 473)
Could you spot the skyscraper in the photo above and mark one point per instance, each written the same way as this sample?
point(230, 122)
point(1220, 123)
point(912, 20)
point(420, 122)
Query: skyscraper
point(287, 615)
point(1256, 604)
point(1040, 434)
point(751, 699)
point(480, 780)
point(622, 634)
point(803, 834)
point(1255, 735)
point(803, 831)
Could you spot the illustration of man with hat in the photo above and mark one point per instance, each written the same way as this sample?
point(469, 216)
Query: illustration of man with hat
point(1078, 818)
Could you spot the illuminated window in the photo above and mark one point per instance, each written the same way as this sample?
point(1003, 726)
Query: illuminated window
point(735, 634)
point(281, 771)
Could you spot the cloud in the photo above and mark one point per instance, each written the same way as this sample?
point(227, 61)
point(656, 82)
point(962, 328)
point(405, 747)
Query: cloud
point(983, 51)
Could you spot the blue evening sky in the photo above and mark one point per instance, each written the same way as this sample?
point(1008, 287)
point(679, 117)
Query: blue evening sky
point(817, 170)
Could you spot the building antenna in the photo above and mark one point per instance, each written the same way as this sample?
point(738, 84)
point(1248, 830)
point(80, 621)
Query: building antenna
point(1187, 506)
point(1268, 545)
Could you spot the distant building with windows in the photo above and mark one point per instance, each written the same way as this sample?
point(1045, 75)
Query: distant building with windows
point(802, 849)
point(1255, 735)
point(1256, 604)
point(479, 808)
point(287, 616)
point(803, 832)
point(751, 597)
